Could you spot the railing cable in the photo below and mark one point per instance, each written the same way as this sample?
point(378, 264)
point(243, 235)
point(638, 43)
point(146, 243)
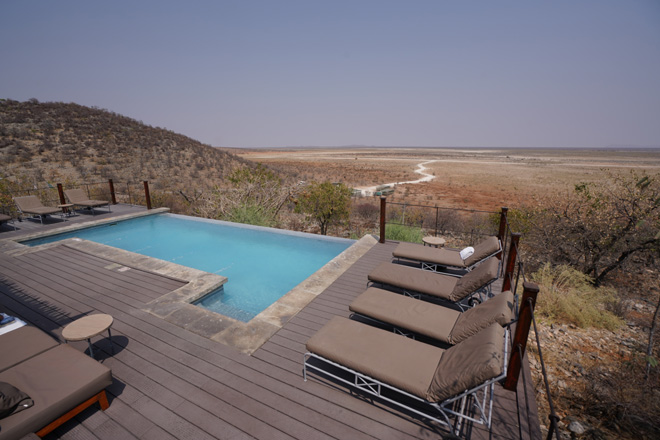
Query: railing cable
point(554, 418)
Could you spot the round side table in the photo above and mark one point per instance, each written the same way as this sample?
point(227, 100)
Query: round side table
point(86, 328)
point(433, 241)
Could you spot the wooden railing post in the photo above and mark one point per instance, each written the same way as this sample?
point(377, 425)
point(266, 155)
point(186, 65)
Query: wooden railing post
point(60, 191)
point(502, 232)
point(530, 292)
point(146, 194)
point(112, 191)
point(511, 261)
point(383, 204)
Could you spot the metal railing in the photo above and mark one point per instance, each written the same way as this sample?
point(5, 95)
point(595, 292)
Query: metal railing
point(463, 225)
point(131, 193)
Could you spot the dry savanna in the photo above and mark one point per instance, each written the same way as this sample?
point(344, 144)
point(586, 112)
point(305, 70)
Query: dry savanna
point(475, 178)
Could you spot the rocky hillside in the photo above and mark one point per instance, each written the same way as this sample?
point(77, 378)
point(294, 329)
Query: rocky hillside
point(42, 143)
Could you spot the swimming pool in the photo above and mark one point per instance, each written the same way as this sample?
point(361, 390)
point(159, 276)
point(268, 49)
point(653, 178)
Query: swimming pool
point(261, 264)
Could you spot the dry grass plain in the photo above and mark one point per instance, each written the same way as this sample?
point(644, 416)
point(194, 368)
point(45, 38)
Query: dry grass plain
point(477, 178)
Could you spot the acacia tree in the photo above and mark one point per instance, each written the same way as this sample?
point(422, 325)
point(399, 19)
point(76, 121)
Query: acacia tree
point(325, 203)
point(599, 226)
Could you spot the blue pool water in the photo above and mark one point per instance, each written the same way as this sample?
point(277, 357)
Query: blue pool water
point(261, 264)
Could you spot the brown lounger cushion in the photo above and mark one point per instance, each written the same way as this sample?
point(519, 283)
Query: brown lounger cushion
point(474, 280)
point(394, 359)
point(437, 322)
point(499, 309)
point(410, 278)
point(468, 364)
point(418, 252)
point(406, 313)
point(78, 197)
point(442, 286)
point(32, 205)
point(58, 380)
point(21, 344)
point(447, 257)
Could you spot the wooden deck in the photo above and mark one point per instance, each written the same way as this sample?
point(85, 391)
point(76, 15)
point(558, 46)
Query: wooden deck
point(173, 384)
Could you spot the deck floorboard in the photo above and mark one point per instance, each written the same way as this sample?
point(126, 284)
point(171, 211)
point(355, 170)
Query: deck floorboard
point(173, 384)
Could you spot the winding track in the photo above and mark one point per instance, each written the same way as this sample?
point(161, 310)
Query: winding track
point(370, 190)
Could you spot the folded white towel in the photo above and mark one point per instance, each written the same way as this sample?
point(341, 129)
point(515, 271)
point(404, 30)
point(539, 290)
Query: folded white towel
point(465, 253)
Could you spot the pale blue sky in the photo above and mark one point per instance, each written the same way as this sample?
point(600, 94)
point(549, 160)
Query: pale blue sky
point(311, 73)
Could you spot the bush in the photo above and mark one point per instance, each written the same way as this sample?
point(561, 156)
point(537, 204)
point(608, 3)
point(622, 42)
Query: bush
point(325, 203)
point(410, 234)
point(251, 215)
point(598, 227)
point(569, 296)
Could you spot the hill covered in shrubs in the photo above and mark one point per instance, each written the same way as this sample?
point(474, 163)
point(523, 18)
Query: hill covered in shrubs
point(46, 143)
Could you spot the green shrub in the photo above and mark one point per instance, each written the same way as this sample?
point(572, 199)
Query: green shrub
point(568, 296)
point(412, 234)
point(251, 215)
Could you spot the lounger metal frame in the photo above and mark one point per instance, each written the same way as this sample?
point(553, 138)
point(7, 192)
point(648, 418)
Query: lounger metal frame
point(27, 215)
point(439, 268)
point(482, 404)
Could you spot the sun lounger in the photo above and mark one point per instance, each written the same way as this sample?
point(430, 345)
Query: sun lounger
point(415, 282)
point(31, 205)
point(434, 259)
point(4, 218)
point(409, 316)
point(456, 382)
point(79, 198)
point(57, 380)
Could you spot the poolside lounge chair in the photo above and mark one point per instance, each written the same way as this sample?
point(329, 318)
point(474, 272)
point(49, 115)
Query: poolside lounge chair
point(397, 369)
point(32, 205)
point(79, 198)
point(4, 218)
point(409, 316)
point(415, 282)
point(436, 259)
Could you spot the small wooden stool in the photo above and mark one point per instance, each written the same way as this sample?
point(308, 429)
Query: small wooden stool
point(86, 328)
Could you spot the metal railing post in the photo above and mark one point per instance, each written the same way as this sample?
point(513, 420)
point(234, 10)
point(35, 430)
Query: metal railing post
point(503, 227)
point(511, 261)
point(383, 204)
point(530, 292)
point(146, 194)
point(60, 191)
point(112, 191)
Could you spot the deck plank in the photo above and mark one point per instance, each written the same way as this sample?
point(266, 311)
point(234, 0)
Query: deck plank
point(171, 383)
